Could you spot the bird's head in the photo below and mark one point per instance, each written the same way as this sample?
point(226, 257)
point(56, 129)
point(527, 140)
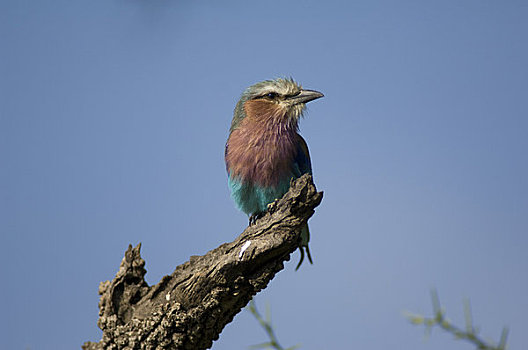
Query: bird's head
point(275, 101)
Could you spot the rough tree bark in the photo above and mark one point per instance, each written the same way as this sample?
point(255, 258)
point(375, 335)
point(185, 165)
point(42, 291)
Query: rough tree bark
point(189, 308)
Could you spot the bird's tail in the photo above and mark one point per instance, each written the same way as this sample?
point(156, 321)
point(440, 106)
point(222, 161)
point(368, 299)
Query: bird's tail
point(305, 238)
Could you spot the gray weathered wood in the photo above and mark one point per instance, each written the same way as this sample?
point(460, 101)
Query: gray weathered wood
point(189, 308)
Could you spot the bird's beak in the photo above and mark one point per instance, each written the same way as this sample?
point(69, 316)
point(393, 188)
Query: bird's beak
point(305, 96)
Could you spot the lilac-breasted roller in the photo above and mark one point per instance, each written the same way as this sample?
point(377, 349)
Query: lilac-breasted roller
point(264, 150)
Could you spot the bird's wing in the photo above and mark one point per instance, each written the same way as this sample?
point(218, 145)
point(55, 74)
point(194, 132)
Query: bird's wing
point(225, 157)
point(302, 158)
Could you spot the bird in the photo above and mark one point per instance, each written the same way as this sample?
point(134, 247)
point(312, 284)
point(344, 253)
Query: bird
point(264, 150)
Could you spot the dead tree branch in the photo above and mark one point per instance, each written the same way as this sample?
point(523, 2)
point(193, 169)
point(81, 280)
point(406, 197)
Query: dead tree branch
point(189, 308)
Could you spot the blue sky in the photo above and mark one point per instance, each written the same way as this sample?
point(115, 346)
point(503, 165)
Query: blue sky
point(114, 116)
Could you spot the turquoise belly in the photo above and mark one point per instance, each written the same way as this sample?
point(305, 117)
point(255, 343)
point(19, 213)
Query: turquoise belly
point(251, 198)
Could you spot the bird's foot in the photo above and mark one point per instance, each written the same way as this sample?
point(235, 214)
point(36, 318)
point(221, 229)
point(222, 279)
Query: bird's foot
point(271, 206)
point(254, 217)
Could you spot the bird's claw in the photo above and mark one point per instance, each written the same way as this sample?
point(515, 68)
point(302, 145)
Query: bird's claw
point(272, 205)
point(254, 217)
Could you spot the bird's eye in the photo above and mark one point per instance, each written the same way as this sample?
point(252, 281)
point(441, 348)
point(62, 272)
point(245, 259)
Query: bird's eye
point(271, 95)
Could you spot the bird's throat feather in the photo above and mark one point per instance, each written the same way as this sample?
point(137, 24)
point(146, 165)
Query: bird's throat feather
point(262, 148)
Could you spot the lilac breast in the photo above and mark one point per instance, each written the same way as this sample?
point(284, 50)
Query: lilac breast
point(261, 155)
